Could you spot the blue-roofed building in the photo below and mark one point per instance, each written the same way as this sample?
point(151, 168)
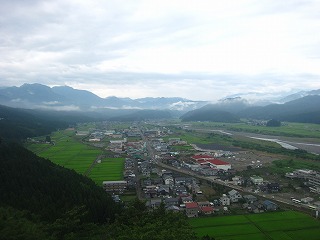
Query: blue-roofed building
point(270, 206)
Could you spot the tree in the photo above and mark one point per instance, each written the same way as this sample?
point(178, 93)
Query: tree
point(273, 123)
point(48, 139)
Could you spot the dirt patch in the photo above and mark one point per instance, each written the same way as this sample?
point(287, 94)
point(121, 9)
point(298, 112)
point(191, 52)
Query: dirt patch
point(241, 160)
point(214, 146)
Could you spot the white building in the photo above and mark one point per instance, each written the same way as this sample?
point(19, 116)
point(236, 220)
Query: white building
point(225, 201)
point(234, 195)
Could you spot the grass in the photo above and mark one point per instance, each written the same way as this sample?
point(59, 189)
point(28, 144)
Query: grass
point(70, 152)
point(67, 151)
point(285, 166)
point(288, 128)
point(202, 138)
point(289, 225)
point(110, 169)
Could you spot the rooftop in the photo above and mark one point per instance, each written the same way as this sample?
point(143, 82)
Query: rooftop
point(191, 205)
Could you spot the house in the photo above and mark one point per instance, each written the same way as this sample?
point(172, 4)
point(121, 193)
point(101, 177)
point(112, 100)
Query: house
point(237, 180)
point(255, 207)
point(157, 181)
point(192, 209)
point(173, 208)
point(150, 193)
point(168, 179)
point(270, 206)
point(114, 186)
point(154, 203)
point(256, 180)
point(273, 187)
point(179, 189)
point(225, 201)
point(234, 195)
point(250, 198)
point(147, 182)
point(171, 201)
point(270, 187)
point(180, 180)
point(206, 210)
point(204, 204)
point(163, 190)
point(186, 199)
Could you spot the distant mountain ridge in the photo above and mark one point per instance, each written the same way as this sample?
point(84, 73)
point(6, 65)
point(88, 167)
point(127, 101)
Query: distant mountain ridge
point(305, 109)
point(304, 106)
point(263, 99)
point(38, 96)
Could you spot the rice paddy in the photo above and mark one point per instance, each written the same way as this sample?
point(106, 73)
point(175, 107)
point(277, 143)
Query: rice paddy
point(289, 225)
point(110, 169)
point(68, 151)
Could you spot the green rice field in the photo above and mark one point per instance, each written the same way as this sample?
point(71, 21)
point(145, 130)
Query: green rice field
point(67, 151)
point(70, 152)
point(110, 169)
point(289, 225)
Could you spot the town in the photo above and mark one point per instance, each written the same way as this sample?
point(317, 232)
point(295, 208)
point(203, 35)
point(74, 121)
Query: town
point(161, 167)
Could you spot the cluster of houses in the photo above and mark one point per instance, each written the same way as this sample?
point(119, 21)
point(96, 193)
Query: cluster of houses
point(182, 200)
point(129, 173)
point(312, 178)
point(178, 193)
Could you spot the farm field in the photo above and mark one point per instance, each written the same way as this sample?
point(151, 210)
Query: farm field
point(289, 225)
point(110, 169)
point(67, 151)
point(305, 130)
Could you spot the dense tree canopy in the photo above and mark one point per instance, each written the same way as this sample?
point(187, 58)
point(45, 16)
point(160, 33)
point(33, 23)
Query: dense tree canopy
point(48, 190)
point(273, 123)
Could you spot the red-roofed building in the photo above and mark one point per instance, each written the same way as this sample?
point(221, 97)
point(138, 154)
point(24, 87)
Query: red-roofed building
point(207, 210)
point(192, 209)
point(213, 162)
point(219, 164)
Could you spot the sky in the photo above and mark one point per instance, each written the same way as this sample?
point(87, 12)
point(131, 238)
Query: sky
point(195, 49)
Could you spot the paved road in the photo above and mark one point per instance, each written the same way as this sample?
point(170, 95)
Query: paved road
point(212, 179)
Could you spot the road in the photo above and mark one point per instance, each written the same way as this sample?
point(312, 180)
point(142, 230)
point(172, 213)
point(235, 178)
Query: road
point(273, 198)
point(214, 180)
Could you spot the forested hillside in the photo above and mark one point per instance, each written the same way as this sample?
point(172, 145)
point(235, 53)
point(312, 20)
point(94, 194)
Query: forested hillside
point(47, 193)
point(210, 114)
point(18, 124)
point(40, 200)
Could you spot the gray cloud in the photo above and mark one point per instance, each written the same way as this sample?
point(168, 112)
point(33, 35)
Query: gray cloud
point(203, 49)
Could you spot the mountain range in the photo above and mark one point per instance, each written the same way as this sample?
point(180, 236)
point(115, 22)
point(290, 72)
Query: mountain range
point(305, 109)
point(72, 104)
point(38, 96)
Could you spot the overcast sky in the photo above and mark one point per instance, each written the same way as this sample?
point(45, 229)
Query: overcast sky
point(200, 50)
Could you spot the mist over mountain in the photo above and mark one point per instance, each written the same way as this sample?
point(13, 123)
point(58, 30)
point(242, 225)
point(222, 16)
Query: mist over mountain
point(300, 106)
point(298, 95)
point(264, 99)
point(210, 113)
point(306, 109)
point(37, 96)
point(300, 110)
point(144, 115)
